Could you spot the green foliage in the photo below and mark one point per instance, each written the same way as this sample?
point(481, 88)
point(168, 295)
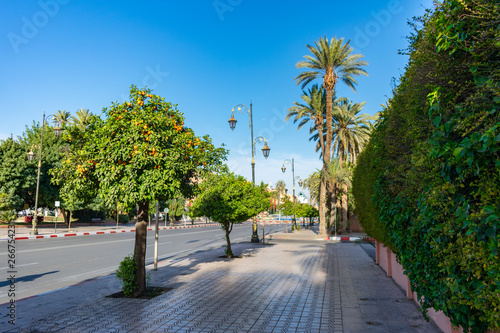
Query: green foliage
point(139, 150)
point(7, 215)
point(18, 176)
point(306, 210)
point(123, 218)
point(228, 199)
point(126, 273)
point(176, 207)
point(4, 202)
point(363, 188)
point(433, 189)
point(287, 207)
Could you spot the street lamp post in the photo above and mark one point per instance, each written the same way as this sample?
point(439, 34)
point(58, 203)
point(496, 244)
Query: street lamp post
point(265, 151)
point(283, 169)
point(31, 157)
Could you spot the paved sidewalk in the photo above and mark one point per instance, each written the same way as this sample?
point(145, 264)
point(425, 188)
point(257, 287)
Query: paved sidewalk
point(296, 285)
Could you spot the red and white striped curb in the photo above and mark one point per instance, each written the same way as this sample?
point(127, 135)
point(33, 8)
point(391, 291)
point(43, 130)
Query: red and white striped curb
point(352, 239)
point(71, 234)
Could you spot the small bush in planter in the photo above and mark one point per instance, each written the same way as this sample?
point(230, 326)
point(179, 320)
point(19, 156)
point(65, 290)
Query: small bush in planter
point(126, 273)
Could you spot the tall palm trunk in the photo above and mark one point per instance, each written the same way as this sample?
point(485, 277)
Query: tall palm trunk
point(343, 201)
point(141, 231)
point(323, 193)
point(344, 209)
point(338, 205)
point(322, 204)
point(333, 203)
point(329, 80)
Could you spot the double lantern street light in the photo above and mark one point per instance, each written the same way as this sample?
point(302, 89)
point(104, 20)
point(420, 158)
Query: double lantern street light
point(232, 124)
point(31, 157)
point(283, 169)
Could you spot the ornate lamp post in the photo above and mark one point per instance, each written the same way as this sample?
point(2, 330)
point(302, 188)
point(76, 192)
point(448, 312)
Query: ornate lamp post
point(265, 151)
point(283, 169)
point(31, 157)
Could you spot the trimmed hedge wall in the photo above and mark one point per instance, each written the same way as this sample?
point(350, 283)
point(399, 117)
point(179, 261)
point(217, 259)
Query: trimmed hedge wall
point(428, 183)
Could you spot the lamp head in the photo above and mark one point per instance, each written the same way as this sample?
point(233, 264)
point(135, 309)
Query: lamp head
point(232, 122)
point(31, 155)
point(57, 131)
point(266, 150)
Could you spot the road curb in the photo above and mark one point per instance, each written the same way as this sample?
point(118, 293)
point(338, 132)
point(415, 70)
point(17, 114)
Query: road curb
point(73, 234)
point(352, 239)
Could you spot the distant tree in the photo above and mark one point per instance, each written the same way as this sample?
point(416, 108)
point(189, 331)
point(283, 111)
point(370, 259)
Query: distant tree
point(229, 199)
point(339, 179)
point(15, 180)
point(176, 207)
point(82, 119)
point(312, 183)
point(280, 188)
point(289, 208)
point(18, 176)
point(308, 211)
point(62, 117)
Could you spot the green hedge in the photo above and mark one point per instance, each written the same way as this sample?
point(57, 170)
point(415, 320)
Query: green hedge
point(428, 182)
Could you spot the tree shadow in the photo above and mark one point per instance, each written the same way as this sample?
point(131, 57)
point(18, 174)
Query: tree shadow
point(27, 278)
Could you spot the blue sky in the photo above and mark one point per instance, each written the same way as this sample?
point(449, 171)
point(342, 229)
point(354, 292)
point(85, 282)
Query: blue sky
point(206, 56)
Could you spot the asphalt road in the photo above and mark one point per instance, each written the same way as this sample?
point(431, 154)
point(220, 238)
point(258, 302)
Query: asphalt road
point(44, 265)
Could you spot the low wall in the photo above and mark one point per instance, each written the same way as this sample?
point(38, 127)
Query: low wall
point(354, 225)
point(390, 264)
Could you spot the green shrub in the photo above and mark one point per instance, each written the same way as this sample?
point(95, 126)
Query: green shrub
point(126, 273)
point(7, 215)
point(123, 218)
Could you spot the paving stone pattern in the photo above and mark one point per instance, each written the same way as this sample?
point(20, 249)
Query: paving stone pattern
point(291, 286)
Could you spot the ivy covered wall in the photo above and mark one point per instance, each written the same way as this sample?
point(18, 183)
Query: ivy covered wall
point(428, 183)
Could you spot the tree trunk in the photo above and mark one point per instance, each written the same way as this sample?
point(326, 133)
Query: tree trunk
point(322, 205)
point(69, 221)
point(64, 213)
point(228, 227)
point(322, 188)
point(329, 86)
point(344, 208)
point(333, 203)
point(141, 231)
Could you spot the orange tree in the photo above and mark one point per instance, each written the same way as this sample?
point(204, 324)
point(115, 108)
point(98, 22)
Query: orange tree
point(138, 152)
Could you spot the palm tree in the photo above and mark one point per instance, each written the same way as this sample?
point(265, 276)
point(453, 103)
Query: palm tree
point(62, 117)
point(312, 183)
point(280, 188)
point(82, 119)
point(351, 131)
point(339, 179)
point(331, 60)
point(313, 111)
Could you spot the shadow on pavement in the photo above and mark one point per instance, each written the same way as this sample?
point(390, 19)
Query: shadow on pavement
point(26, 278)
